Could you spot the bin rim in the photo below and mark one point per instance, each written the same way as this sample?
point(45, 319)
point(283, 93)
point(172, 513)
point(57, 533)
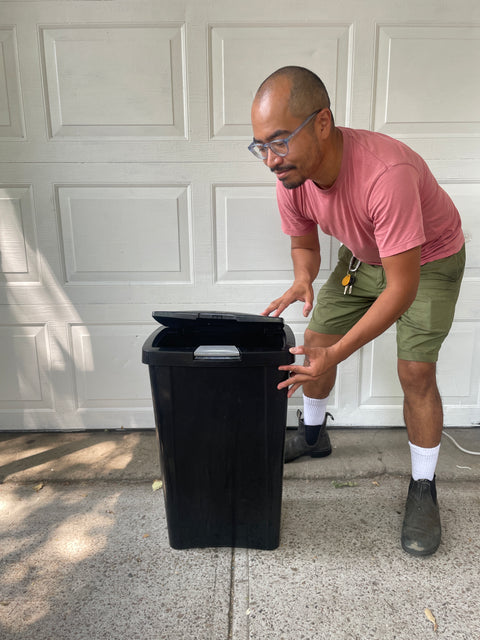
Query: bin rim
point(184, 356)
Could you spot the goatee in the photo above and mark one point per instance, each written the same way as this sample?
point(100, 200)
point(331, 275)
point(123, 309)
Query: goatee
point(294, 184)
point(288, 185)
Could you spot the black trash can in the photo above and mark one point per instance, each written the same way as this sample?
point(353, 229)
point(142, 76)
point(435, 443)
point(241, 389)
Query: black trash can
point(221, 425)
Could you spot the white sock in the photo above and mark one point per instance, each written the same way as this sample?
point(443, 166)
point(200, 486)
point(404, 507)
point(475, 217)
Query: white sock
point(314, 410)
point(424, 461)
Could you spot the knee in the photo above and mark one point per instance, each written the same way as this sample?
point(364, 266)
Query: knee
point(417, 378)
point(314, 339)
point(310, 338)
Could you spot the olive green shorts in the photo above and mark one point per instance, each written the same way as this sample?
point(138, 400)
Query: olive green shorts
point(421, 330)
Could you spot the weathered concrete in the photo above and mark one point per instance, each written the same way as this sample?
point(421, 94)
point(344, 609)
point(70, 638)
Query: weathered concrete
point(84, 549)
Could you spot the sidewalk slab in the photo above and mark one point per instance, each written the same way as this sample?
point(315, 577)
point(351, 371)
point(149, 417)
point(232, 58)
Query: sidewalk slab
point(340, 573)
point(90, 560)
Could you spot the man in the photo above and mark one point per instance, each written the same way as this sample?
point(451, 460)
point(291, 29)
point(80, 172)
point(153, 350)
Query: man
point(402, 261)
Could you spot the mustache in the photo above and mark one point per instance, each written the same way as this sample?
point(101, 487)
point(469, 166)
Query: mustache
point(282, 169)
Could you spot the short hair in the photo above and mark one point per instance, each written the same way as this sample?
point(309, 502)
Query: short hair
point(307, 91)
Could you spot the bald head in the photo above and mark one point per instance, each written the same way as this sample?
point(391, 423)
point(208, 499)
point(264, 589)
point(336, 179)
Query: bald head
point(303, 89)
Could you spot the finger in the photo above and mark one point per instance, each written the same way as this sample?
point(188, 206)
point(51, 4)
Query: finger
point(286, 367)
point(292, 390)
point(297, 369)
point(277, 307)
point(298, 351)
point(284, 384)
point(296, 380)
point(307, 307)
point(280, 309)
point(271, 307)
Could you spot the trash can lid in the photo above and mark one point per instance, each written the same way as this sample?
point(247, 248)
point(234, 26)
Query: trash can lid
point(198, 319)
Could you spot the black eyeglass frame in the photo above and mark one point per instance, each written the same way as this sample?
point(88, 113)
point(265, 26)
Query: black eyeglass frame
point(260, 148)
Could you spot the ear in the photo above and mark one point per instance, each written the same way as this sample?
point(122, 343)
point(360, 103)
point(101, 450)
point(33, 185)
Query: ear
point(324, 123)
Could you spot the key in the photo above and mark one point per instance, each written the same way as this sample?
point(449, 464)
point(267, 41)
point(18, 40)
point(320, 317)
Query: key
point(351, 282)
point(346, 282)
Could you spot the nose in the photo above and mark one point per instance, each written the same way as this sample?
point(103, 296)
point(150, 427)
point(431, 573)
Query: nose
point(272, 160)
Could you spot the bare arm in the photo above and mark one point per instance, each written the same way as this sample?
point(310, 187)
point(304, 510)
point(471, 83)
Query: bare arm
point(305, 254)
point(403, 274)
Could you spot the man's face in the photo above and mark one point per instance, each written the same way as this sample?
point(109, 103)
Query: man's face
point(271, 120)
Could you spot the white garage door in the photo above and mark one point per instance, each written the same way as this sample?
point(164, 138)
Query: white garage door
point(126, 185)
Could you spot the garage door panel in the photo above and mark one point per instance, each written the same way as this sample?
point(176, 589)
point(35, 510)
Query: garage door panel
point(466, 197)
point(249, 244)
point(19, 253)
point(413, 64)
point(234, 82)
point(11, 107)
point(86, 97)
point(126, 233)
point(25, 371)
point(109, 373)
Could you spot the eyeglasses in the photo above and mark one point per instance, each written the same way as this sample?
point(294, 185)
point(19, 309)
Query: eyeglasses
point(278, 147)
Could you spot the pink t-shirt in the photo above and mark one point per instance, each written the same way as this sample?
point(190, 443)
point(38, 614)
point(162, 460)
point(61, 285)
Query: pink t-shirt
point(384, 201)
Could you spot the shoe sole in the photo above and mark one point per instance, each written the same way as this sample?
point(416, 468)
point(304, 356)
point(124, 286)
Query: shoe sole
point(321, 454)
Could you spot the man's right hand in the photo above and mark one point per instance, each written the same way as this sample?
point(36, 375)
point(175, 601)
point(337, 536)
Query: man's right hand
point(300, 291)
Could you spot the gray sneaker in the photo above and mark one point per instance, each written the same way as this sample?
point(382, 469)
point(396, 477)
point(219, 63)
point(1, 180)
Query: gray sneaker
point(421, 531)
point(296, 444)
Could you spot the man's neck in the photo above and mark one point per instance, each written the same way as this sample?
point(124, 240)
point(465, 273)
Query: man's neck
point(333, 162)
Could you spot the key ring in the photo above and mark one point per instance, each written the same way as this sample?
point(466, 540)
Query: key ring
point(352, 267)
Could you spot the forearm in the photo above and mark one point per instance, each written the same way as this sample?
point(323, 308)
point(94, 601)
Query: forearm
point(306, 264)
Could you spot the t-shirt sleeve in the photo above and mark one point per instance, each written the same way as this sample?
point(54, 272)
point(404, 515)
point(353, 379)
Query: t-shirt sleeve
point(395, 207)
point(291, 207)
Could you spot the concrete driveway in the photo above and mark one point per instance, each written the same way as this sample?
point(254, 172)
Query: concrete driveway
point(84, 548)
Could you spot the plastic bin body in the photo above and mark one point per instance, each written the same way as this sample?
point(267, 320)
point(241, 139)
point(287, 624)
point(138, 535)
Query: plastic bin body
point(221, 427)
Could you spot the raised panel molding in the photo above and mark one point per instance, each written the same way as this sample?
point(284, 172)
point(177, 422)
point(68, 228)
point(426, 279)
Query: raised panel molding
point(426, 81)
point(11, 108)
point(249, 243)
point(466, 197)
point(108, 372)
point(125, 233)
point(458, 370)
point(115, 81)
point(325, 49)
point(19, 260)
point(24, 381)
